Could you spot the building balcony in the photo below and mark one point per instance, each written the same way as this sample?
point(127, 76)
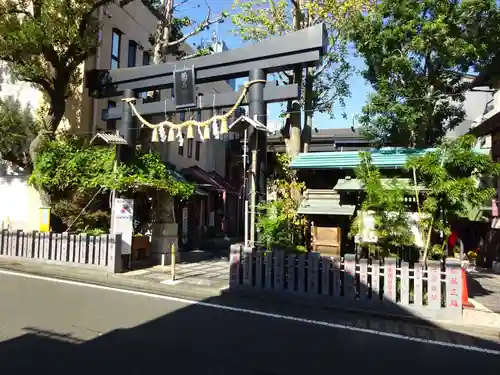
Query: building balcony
point(488, 122)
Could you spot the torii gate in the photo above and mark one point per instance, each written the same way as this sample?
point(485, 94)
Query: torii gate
point(304, 48)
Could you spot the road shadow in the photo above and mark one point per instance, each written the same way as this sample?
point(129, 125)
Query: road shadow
point(233, 335)
point(475, 288)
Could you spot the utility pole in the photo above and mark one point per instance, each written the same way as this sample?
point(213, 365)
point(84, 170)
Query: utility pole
point(257, 111)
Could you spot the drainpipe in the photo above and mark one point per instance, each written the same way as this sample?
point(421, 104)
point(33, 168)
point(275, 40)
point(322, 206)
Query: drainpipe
point(95, 102)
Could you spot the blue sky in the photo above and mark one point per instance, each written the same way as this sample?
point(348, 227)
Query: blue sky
point(359, 89)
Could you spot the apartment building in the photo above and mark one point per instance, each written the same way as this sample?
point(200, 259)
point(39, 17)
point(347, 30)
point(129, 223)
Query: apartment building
point(124, 42)
point(486, 126)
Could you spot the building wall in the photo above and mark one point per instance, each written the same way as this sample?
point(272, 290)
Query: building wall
point(136, 23)
point(20, 203)
point(212, 152)
point(83, 114)
point(474, 105)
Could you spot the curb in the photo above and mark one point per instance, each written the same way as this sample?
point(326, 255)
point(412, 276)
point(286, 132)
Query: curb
point(193, 296)
point(464, 328)
point(292, 300)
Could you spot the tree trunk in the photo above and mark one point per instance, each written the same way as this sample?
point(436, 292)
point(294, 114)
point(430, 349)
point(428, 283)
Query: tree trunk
point(294, 146)
point(55, 113)
point(295, 141)
point(163, 33)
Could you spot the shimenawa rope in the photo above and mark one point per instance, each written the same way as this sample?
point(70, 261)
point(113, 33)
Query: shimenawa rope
point(223, 118)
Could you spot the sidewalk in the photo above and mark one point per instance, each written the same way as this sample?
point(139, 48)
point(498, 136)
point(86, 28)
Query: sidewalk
point(484, 290)
point(200, 281)
point(152, 280)
point(210, 273)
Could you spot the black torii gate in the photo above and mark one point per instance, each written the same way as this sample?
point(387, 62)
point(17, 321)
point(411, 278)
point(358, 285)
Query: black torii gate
point(302, 48)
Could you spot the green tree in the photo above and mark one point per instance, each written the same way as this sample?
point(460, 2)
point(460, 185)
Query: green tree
point(324, 86)
point(279, 223)
point(451, 174)
point(44, 43)
point(384, 200)
point(169, 34)
point(17, 129)
point(416, 53)
point(79, 178)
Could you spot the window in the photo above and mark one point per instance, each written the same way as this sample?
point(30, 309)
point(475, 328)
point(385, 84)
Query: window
point(197, 150)
point(132, 53)
point(182, 116)
point(111, 124)
point(198, 115)
point(146, 58)
point(181, 148)
point(115, 49)
point(190, 148)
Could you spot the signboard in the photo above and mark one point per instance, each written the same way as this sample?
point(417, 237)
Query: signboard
point(122, 222)
point(185, 88)
point(44, 219)
point(369, 235)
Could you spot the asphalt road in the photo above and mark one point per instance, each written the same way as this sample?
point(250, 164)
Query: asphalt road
point(57, 328)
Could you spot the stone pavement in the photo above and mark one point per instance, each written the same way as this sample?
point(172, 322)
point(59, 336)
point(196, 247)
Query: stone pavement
point(212, 273)
point(484, 289)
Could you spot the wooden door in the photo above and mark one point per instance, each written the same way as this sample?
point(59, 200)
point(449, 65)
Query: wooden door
point(326, 240)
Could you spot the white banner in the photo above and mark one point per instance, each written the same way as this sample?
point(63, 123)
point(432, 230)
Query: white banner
point(123, 222)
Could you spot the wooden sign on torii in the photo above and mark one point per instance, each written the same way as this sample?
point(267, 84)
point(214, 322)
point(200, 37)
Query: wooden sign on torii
point(301, 48)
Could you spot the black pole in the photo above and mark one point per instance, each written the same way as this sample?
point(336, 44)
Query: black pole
point(258, 111)
point(126, 153)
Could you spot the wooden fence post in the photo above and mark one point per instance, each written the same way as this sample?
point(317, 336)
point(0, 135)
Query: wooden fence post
point(234, 265)
point(418, 282)
point(115, 254)
point(390, 280)
point(453, 285)
point(363, 279)
point(268, 277)
point(301, 272)
point(103, 249)
point(279, 265)
point(405, 283)
point(434, 284)
point(375, 283)
point(350, 276)
point(312, 273)
point(45, 243)
point(3, 241)
point(336, 276)
point(290, 272)
point(92, 248)
point(326, 265)
point(247, 266)
point(259, 269)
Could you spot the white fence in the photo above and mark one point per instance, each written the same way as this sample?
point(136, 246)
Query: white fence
point(434, 292)
point(94, 252)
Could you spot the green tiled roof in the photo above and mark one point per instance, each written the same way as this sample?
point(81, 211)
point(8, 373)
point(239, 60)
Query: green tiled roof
point(381, 158)
point(323, 202)
point(353, 184)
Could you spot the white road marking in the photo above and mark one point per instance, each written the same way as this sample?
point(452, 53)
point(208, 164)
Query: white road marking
point(257, 312)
